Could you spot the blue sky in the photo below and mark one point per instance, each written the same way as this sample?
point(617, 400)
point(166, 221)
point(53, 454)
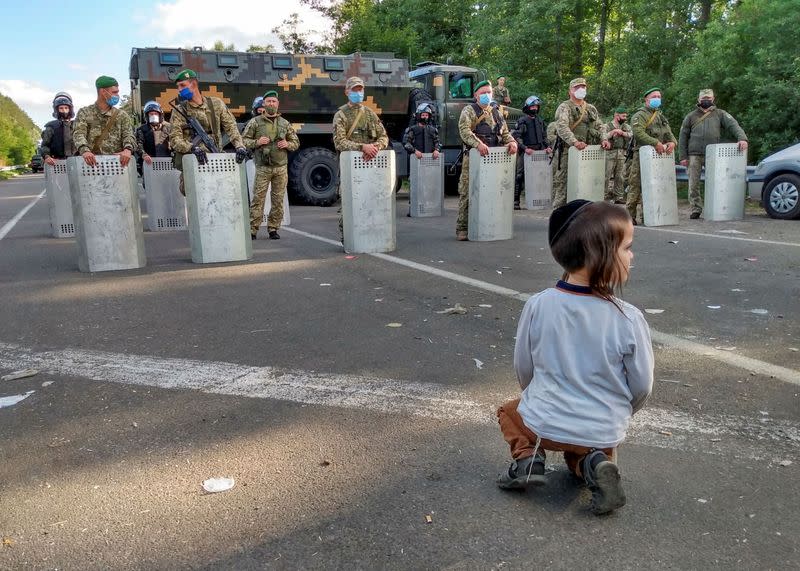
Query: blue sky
point(56, 46)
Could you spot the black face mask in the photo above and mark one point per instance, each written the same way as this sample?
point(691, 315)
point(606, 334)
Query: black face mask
point(705, 104)
point(532, 112)
point(64, 116)
point(424, 120)
point(621, 120)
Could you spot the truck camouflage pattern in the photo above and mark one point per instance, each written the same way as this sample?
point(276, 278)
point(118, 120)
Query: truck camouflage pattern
point(311, 90)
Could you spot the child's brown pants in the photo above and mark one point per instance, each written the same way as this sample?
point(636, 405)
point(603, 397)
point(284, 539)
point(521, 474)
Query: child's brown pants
point(522, 440)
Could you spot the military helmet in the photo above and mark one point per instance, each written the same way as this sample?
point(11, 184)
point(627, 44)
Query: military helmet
point(152, 106)
point(63, 98)
point(530, 102)
point(257, 102)
point(424, 107)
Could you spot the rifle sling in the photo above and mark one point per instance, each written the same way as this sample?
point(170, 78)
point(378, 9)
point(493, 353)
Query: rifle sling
point(104, 133)
point(355, 123)
point(701, 119)
point(212, 119)
point(580, 118)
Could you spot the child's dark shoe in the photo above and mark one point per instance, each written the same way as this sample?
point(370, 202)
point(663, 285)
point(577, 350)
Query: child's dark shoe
point(523, 473)
point(602, 477)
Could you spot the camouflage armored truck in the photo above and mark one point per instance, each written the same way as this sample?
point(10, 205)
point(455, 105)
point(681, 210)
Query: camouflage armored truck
point(311, 90)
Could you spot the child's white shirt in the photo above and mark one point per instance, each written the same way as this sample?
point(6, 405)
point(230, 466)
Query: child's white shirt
point(585, 367)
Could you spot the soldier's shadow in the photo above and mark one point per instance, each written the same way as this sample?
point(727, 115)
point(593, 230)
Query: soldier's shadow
point(563, 492)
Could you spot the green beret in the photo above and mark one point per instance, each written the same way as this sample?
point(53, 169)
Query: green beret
point(481, 84)
point(185, 74)
point(621, 109)
point(501, 75)
point(651, 90)
point(105, 81)
point(271, 93)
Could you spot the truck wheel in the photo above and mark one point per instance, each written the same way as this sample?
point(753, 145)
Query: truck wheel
point(313, 177)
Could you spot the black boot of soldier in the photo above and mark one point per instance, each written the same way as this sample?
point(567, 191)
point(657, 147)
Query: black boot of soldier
point(517, 194)
point(602, 477)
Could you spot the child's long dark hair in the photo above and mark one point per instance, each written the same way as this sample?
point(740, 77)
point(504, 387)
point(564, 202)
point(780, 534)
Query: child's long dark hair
point(591, 241)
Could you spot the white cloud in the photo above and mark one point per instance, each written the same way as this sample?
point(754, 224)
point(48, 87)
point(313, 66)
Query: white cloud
point(185, 23)
point(37, 99)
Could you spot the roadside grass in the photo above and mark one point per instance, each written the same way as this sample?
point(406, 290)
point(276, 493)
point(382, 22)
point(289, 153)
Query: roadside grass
point(5, 175)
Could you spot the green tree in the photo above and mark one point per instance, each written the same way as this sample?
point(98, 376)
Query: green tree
point(220, 46)
point(18, 134)
point(294, 41)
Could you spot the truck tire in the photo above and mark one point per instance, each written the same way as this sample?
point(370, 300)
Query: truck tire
point(313, 177)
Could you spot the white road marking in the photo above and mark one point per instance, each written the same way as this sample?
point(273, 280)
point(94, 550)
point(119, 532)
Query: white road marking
point(13, 222)
point(761, 367)
point(755, 438)
point(704, 235)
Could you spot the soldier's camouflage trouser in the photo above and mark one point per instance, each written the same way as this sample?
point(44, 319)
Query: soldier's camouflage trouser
point(615, 175)
point(696, 163)
point(462, 222)
point(634, 186)
point(559, 193)
point(266, 177)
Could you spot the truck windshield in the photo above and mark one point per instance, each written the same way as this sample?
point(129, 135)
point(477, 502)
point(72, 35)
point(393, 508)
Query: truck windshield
point(460, 86)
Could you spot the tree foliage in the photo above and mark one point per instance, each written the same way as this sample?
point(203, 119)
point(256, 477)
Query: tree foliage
point(744, 49)
point(18, 134)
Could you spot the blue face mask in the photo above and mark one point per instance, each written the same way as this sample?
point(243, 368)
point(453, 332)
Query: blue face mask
point(655, 103)
point(186, 93)
point(113, 100)
point(484, 99)
point(356, 96)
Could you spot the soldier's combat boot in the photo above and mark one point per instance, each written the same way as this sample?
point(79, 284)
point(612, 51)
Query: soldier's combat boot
point(461, 236)
point(517, 194)
point(523, 473)
point(602, 477)
point(694, 215)
point(273, 235)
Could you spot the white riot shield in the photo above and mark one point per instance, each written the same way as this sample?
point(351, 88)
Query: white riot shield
point(219, 214)
point(368, 202)
point(426, 185)
point(105, 206)
point(250, 166)
point(56, 181)
point(659, 190)
point(166, 207)
point(726, 182)
point(538, 180)
point(586, 175)
point(491, 195)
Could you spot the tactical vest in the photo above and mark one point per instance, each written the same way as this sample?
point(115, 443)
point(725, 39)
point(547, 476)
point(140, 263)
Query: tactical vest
point(486, 134)
point(150, 147)
point(270, 155)
point(534, 135)
point(423, 138)
point(57, 150)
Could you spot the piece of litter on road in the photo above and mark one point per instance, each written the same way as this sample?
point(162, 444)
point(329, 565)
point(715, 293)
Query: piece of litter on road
point(668, 381)
point(394, 325)
point(325, 463)
point(702, 501)
point(478, 363)
point(737, 289)
point(713, 306)
point(214, 485)
point(428, 519)
point(324, 285)
point(457, 309)
point(751, 259)
point(14, 399)
point(23, 374)
point(485, 305)
point(654, 311)
point(759, 311)
point(47, 383)
point(8, 542)
point(499, 272)
point(730, 232)
point(720, 348)
point(672, 242)
point(135, 424)
point(665, 432)
point(716, 439)
point(351, 257)
point(378, 299)
point(794, 349)
point(785, 463)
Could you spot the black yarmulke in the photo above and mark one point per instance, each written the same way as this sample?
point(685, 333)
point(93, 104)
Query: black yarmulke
point(562, 217)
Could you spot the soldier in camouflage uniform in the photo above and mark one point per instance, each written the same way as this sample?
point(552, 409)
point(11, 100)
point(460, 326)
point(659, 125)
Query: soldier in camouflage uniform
point(101, 129)
point(356, 127)
point(618, 133)
point(578, 125)
point(271, 138)
point(500, 92)
point(57, 140)
point(213, 116)
point(480, 127)
point(704, 126)
point(650, 127)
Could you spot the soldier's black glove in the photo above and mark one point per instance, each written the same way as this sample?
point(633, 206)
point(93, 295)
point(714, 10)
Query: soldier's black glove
point(241, 155)
point(200, 154)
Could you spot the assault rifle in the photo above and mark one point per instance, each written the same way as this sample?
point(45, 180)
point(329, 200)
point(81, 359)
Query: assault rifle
point(200, 135)
point(629, 150)
point(558, 147)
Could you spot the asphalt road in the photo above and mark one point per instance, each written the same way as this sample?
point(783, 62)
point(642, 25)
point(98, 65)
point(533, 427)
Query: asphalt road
point(343, 433)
